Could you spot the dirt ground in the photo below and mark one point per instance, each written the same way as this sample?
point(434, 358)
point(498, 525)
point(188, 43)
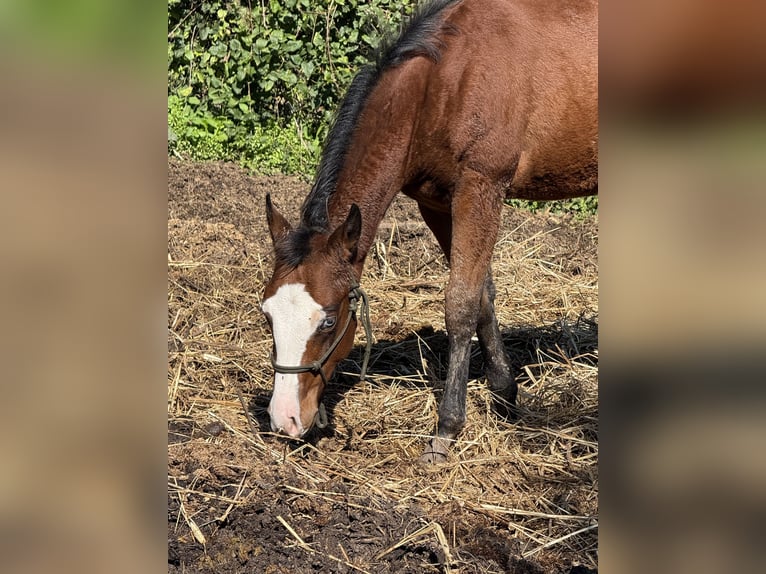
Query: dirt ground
point(515, 497)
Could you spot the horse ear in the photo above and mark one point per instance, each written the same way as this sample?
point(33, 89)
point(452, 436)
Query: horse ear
point(278, 225)
point(346, 236)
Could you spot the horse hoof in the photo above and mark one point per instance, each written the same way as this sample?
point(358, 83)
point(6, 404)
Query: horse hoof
point(435, 452)
point(430, 458)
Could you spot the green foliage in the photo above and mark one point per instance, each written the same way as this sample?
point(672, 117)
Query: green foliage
point(266, 149)
point(579, 206)
point(275, 149)
point(190, 132)
point(249, 80)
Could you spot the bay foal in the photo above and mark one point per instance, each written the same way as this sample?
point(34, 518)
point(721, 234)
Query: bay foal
point(475, 101)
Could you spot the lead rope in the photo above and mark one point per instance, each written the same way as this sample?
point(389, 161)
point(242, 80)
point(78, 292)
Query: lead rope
point(365, 318)
point(358, 296)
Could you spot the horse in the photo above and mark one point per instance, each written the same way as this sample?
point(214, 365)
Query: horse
point(472, 103)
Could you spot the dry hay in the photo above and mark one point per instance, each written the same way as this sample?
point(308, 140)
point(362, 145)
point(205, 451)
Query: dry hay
point(514, 497)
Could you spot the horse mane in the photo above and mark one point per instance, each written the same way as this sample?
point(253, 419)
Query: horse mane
point(417, 37)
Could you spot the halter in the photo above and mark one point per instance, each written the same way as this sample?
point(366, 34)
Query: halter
point(356, 296)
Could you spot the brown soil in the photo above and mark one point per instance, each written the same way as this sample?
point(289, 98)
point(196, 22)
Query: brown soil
point(515, 497)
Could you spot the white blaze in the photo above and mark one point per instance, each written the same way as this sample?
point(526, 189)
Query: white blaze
point(295, 315)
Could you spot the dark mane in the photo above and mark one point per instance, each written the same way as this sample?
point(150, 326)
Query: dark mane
point(417, 37)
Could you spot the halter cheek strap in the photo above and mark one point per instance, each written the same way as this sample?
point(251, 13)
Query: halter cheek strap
point(357, 298)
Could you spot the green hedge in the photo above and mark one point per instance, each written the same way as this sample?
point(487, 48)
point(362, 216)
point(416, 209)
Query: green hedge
point(258, 81)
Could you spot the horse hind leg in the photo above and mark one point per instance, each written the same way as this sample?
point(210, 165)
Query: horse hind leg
point(497, 366)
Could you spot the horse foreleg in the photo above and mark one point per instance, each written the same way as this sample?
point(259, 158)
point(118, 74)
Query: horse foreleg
point(475, 221)
point(498, 369)
point(461, 315)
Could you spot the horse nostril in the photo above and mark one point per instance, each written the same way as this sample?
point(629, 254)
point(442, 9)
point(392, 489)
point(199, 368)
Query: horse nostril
point(288, 427)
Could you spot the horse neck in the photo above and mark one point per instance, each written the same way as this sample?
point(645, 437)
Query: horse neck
point(376, 162)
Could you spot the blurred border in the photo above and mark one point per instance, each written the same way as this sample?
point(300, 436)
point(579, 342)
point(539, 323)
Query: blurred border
point(83, 171)
point(682, 278)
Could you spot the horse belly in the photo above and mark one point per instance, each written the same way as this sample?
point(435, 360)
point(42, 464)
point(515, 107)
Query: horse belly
point(520, 107)
point(561, 177)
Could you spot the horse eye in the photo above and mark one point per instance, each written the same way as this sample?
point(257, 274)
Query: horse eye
point(327, 324)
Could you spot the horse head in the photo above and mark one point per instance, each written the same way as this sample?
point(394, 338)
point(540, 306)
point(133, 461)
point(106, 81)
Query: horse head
point(310, 304)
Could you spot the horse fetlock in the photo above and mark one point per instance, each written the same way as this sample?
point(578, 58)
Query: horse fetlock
point(450, 423)
point(500, 379)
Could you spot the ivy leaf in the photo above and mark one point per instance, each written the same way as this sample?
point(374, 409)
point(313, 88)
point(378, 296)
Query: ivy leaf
point(218, 49)
point(276, 36)
point(288, 78)
point(292, 45)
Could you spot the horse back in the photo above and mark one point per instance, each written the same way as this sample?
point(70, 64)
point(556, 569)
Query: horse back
point(514, 96)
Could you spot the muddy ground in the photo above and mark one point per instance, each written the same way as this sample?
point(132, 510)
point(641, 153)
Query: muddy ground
point(516, 496)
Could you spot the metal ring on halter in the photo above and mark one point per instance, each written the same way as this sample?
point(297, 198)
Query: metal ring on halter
point(356, 296)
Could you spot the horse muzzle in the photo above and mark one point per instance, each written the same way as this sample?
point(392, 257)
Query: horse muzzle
point(292, 426)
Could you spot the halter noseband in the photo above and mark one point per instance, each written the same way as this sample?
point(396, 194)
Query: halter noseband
point(355, 295)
